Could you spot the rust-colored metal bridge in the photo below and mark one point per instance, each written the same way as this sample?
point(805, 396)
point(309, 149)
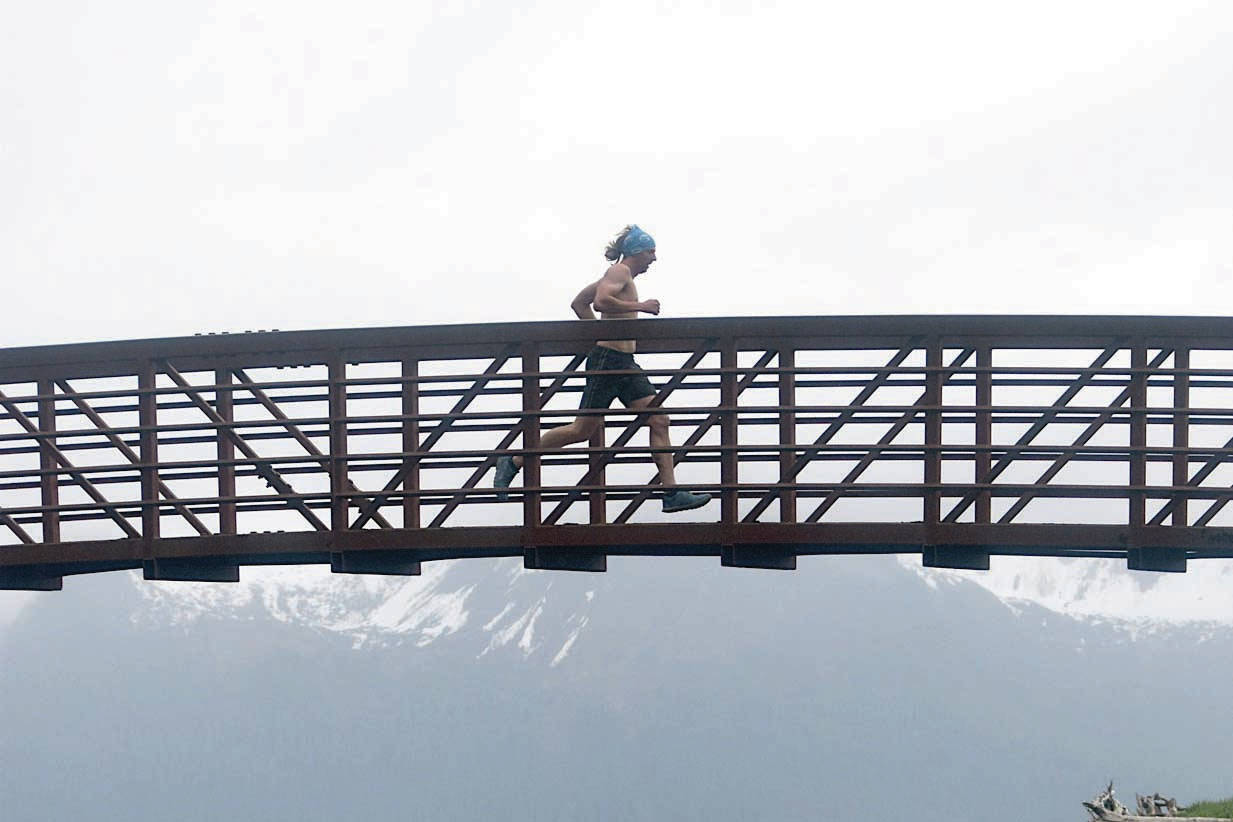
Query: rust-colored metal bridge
point(955, 437)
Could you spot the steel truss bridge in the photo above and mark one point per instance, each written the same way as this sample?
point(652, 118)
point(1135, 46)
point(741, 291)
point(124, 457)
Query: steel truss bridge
point(955, 437)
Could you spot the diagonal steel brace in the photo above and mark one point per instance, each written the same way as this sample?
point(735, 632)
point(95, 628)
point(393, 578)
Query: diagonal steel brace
point(369, 507)
point(1040, 425)
point(902, 423)
point(885, 373)
point(264, 469)
point(78, 477)
point(14, 526)
point(1093, 427)
point(295, 431)
point(506, 442)
point(128, 453)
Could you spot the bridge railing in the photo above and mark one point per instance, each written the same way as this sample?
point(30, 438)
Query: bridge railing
point(372, 448)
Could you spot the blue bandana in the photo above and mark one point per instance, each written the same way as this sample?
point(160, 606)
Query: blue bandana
point(635, 241)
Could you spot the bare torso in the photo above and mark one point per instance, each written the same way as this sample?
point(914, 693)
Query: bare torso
point(629, 292)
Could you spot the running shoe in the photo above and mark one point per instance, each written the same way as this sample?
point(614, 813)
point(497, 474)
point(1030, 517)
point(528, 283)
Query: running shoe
point(505, 473)
point(684, 501)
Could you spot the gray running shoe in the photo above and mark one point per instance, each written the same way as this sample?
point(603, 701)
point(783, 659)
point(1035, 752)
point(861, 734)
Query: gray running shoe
point(684, 501)
point(505, 473)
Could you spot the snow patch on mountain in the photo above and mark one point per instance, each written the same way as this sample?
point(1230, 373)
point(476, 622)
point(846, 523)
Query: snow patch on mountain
point(366, 608)
point(1103, 590)
point(521, 629)
point(517, 608)
point(579, 622)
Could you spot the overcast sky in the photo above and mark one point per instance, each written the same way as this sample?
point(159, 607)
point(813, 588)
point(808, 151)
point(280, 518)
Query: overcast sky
point(168, 168)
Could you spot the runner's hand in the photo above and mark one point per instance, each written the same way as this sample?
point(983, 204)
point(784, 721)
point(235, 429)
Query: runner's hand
point(650, 307)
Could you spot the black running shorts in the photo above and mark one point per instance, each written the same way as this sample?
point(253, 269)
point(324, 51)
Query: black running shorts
point(603, 388)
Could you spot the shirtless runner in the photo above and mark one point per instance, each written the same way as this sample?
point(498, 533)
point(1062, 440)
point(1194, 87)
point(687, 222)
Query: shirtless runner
point(615, 297)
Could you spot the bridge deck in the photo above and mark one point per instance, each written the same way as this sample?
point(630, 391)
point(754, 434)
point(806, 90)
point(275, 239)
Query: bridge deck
point(954, 437)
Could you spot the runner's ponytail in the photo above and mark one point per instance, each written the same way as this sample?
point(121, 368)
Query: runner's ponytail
point(613, 251)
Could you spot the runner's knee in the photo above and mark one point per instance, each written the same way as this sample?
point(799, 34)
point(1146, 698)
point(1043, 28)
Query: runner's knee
point(659, 424)
point(587, 426)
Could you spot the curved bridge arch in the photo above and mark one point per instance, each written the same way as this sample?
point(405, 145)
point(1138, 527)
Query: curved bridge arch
point(956, 437)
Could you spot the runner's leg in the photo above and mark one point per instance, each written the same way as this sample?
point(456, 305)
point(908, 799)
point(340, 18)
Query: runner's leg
point(637, 393)
point(658, 423)
point(577, 431)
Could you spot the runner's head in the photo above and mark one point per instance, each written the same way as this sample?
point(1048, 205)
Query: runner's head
point(634, 247)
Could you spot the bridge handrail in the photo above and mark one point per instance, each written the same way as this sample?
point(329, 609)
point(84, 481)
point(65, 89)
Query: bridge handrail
point(562, 336)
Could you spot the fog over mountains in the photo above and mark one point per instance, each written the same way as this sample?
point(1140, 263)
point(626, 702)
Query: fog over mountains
point(664, 689)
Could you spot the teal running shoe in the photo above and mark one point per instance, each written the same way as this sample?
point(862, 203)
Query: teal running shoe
point(505, 473)
point(684, 501)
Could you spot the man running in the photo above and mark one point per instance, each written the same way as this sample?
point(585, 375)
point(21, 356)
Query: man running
point(615, 297)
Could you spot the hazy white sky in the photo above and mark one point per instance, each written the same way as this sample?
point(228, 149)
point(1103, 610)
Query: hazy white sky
point(169, 168)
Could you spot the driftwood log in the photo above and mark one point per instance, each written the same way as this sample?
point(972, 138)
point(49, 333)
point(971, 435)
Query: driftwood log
point(1106, 808)
point(1156, 805)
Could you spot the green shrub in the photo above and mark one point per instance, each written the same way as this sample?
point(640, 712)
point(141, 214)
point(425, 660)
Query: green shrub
point(1221, 809)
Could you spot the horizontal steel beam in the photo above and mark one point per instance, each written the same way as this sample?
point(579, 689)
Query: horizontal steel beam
point(630, 539)
point(291, 348)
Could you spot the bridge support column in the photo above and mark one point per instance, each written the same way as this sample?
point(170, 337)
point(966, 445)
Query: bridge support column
point(411, 441)
point(729, 429)
point(180, 569)
point(933, 432)
point(532, 512)
point(1138, 435)
point(564, 559)
point(1168, 560)
point(147, 416)
point(1181, 433)
point(29, 579)
point(983, 461)
point(964, 557)
point(224, 406)
point(389, 563)
point(787, 431)
point(769, 557)
point(595, 464)
point(48, 480)
point(340, 502)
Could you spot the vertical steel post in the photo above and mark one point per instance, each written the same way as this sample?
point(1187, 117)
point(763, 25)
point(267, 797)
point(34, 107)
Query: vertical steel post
point(224, 406)
point(531, 509)
point(984, 429)
point(49, 483)
point(411, 441)
point(147, 419)
point(787, 431)
point(1181, 430)
point(595, 466)
point(933, 430)
point(339, 501)
point(728, 432)
point(1138, 433)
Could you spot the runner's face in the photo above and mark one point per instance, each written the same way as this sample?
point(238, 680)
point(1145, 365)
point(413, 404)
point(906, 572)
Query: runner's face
point(643, 259)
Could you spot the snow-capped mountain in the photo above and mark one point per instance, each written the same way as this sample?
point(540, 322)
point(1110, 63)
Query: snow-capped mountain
point(1104, 590)
point(546, 613)
point(665, 688)
point(497, 601)
point(497, 604)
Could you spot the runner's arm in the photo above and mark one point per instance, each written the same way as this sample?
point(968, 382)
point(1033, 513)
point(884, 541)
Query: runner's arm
point(613, 283)
point(582, 303)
